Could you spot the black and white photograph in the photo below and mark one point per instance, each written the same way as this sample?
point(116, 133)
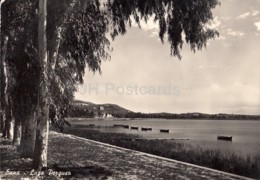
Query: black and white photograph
point(130, 89)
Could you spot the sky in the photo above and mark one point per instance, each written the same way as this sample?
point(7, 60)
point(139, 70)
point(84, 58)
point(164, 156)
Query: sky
point(223, 78)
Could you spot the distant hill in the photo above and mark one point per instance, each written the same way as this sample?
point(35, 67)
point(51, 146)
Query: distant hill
point(83, 102)
point(88, 109)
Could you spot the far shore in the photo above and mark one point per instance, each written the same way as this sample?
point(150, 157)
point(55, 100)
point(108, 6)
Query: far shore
point(134, 119)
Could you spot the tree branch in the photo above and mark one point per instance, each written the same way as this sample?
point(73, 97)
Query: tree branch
point(55, 43)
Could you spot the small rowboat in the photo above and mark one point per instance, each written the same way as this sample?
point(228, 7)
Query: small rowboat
point(121, 125)
point(225, 138)
point(164, 130)
point(125, 126)
point(117, 125)
point(146, 129)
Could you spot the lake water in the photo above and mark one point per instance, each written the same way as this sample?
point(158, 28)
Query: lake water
point(246, 134)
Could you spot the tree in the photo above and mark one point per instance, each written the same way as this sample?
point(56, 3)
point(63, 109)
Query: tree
point(1, 78)
point(18, 25)
point(2, 89)
point(6, 83)
point(179, 19)
point(42, 129)
point(76, 38)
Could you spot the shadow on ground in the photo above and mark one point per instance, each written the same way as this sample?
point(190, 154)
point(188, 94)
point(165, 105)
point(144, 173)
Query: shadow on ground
point(11, 161)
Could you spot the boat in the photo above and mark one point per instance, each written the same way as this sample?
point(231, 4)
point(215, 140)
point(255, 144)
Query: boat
point(134, 128)
point(121, 125)
point(164, 130)
point(146, 129)
point(225, 138)
point(125, 126)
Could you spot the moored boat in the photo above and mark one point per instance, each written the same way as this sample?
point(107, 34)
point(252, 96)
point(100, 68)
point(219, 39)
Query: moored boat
point(225, 138)
point(146, 129)
point(164, 130)
point(117, 125)
point(125, 126)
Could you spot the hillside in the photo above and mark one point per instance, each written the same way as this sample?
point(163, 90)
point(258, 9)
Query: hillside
point(88, 109)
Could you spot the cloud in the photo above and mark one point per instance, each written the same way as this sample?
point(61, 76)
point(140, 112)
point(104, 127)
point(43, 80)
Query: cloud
point(241, 110)
point(211, 67)
point(235, 33)
point(248, 14)
point(226, 18)
point(244, 16)
point(150, 25)
point(216, 22)
point(255, 13)
point(257, 24)
point(221, 37)
point(215, 87)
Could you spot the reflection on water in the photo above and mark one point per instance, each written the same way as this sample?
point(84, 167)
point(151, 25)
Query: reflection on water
point(246, 134)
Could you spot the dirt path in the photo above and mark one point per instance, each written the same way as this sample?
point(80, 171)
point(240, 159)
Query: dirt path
point(86, 159)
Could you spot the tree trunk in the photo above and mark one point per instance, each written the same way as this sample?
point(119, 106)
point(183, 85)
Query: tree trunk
point(1, 81)
point(28, 135)
point(4, 126)
point(3, 88)
point(9, 121)
point(41, 143)
point(1, 121)
point(17, 133)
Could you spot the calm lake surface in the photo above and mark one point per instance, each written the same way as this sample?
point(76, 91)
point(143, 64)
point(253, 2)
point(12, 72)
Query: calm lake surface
point(246, 134)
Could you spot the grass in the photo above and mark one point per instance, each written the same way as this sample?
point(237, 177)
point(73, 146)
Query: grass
point(12, 166)
point(227, 161)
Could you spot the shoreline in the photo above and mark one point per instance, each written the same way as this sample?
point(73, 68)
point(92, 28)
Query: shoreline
point(133, 119)
point(211, 158)
point(71, 156)
point(163, 158)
